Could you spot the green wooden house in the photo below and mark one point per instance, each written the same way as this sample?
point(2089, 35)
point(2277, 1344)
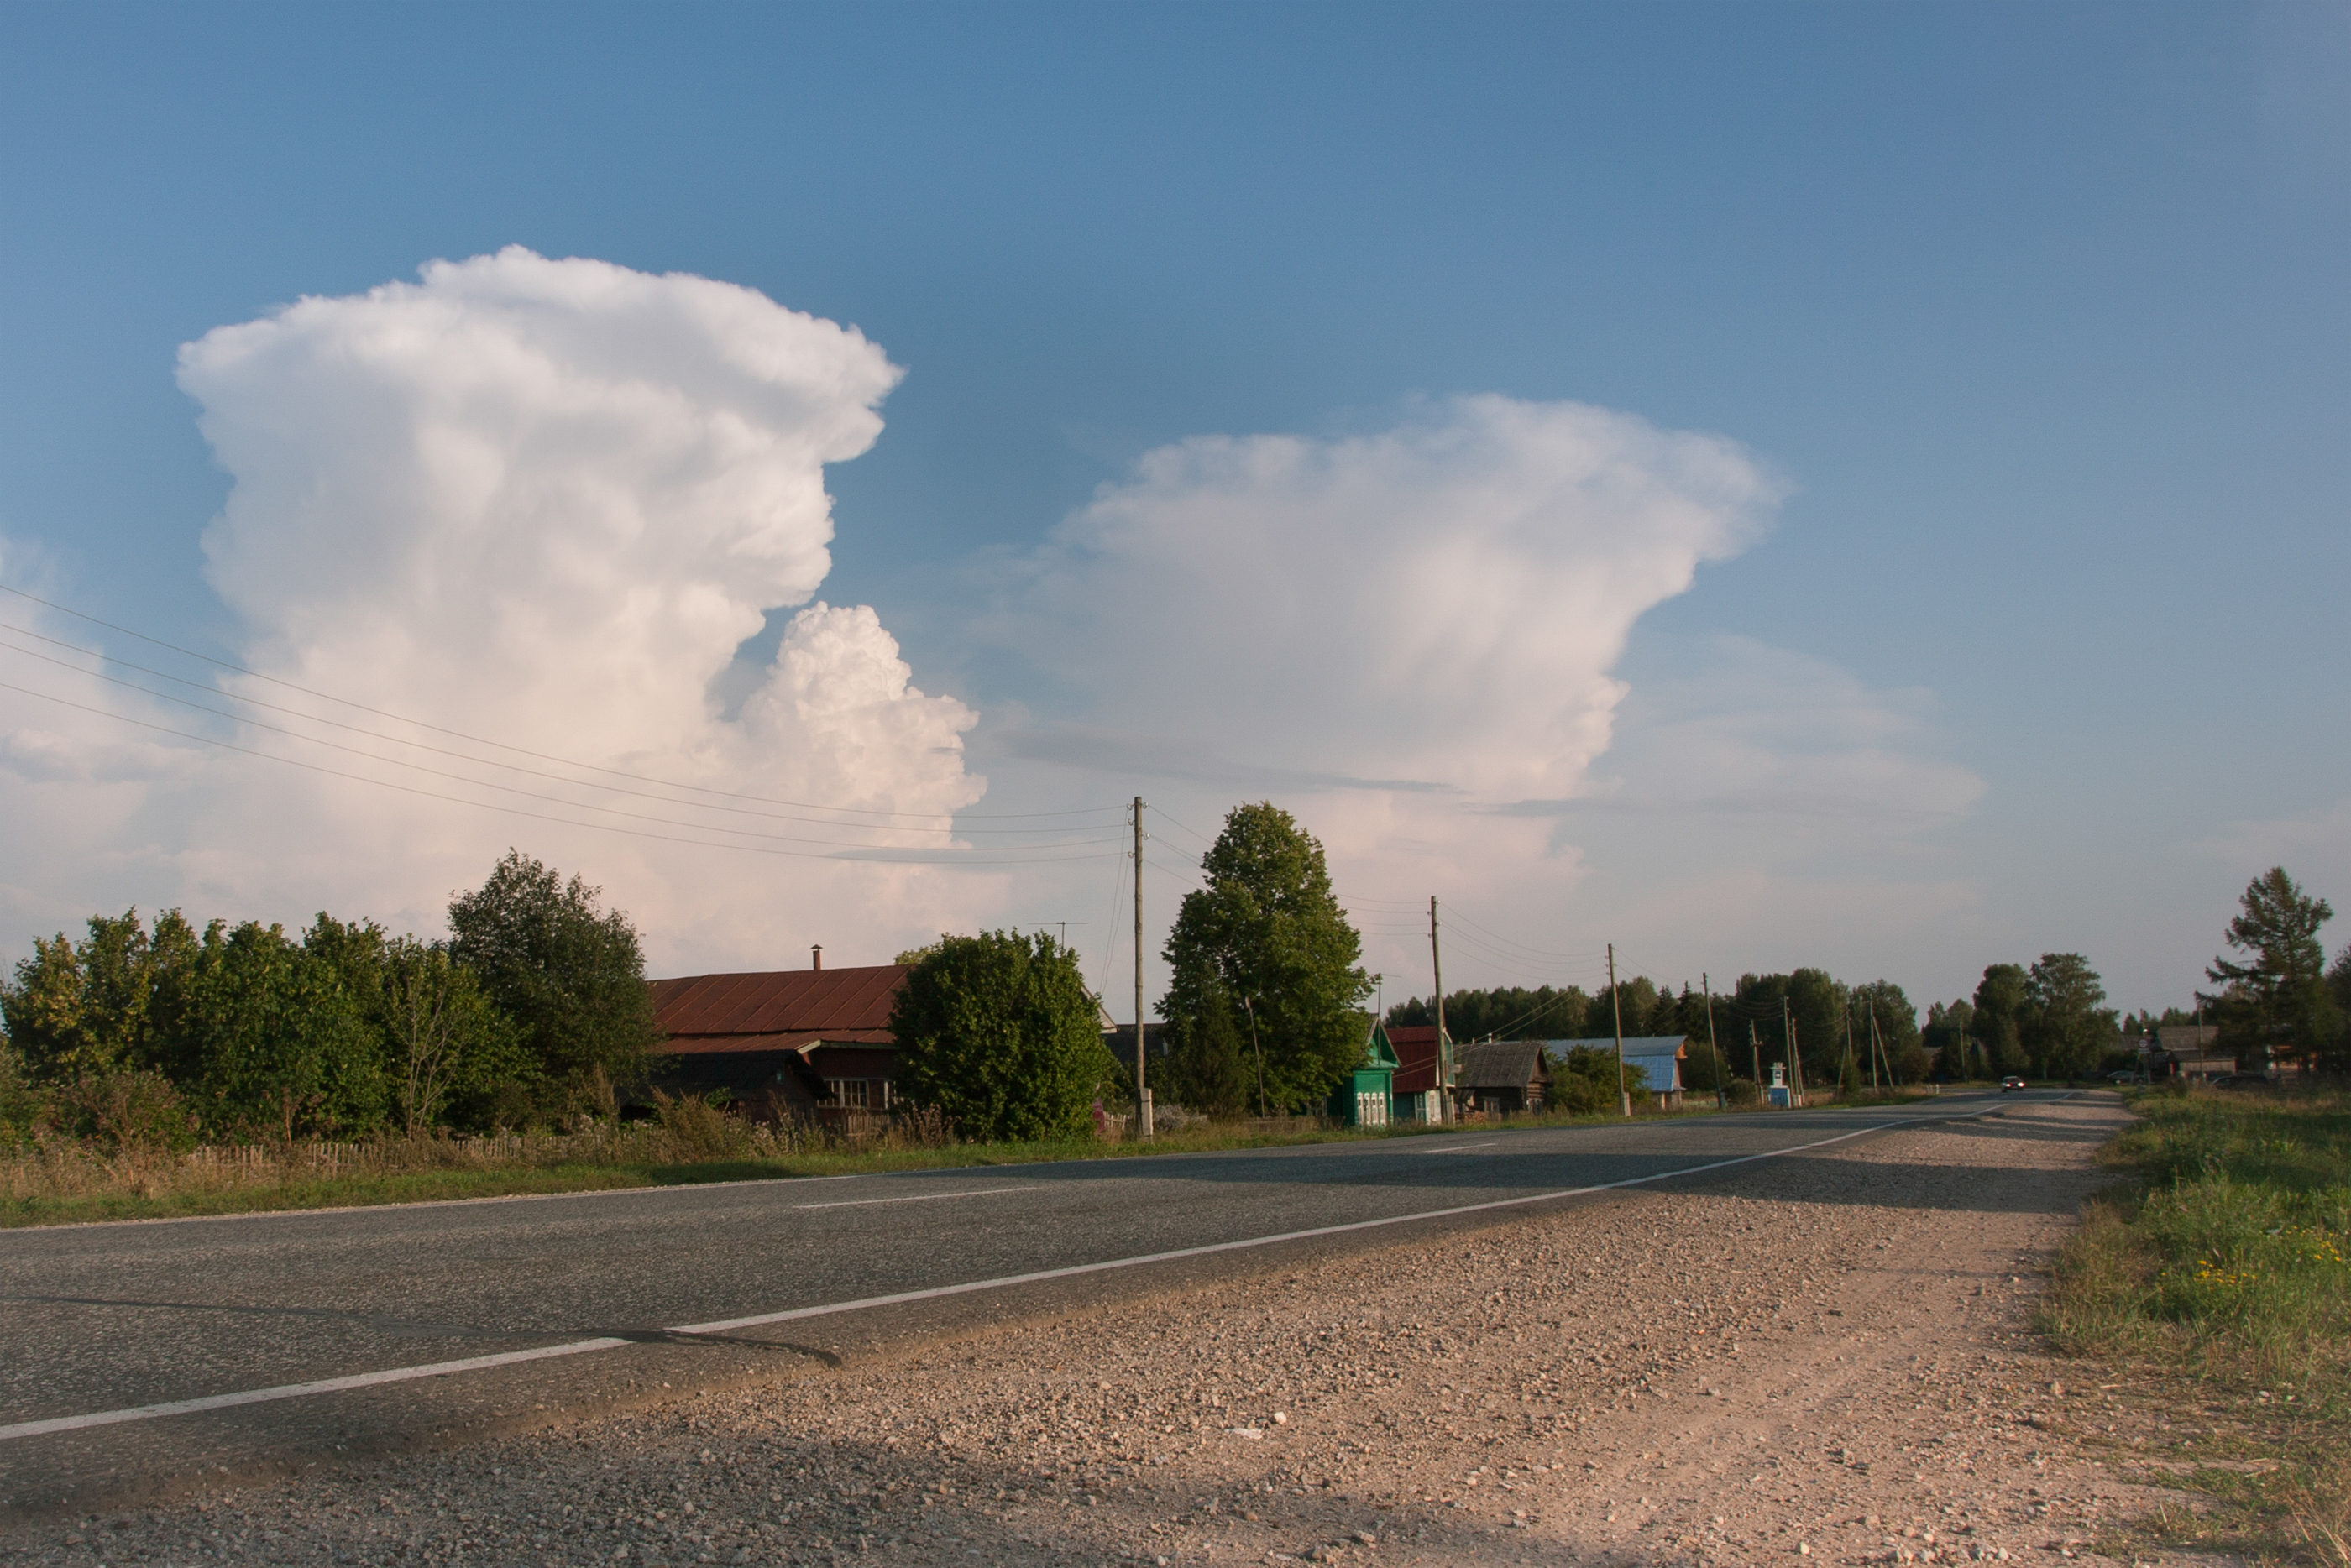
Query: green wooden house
point(1364, 1098)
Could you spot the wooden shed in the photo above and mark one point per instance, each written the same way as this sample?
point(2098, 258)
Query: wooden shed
point(782, 1041)
point(1503, 1077)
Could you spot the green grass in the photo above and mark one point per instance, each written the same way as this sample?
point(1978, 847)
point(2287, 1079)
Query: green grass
point(698, 1147)
point(2217, 1277)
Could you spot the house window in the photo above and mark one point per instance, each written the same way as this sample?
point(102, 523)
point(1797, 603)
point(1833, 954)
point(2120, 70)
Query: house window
point(848, 1091)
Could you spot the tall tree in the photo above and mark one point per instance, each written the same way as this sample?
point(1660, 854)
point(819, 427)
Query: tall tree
point(571, 974)
point(2068, 1027)
point(999, 1033)
point(1998, 1026)
point(104, 1005)
point(1897, 1030)
point(1268, 933)
point(2278, 1000)
point(1210, 1067)
point(443, 1039)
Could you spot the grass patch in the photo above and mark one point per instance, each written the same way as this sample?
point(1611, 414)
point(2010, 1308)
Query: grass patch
point(2217, 1275)
point(66, 1182)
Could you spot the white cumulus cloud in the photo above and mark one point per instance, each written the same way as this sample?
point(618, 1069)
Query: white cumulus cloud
point(541, 503)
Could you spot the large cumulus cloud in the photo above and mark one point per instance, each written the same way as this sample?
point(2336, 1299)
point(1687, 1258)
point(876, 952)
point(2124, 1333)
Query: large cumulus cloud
point(541, 503)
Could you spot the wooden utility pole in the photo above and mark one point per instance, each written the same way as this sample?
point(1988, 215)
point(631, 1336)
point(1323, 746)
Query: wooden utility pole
point(1712, 1049)
point(1617, 1006)
point(1795, 1059)
point(1437, 1063)
point(1848, 1048)
point(1142, 1092)
point(1755, 1052)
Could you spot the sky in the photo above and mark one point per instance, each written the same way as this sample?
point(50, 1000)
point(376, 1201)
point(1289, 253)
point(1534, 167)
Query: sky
point(1824, 484)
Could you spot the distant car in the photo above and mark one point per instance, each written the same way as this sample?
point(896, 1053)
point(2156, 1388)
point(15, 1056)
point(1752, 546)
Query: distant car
point(2011, 1082)
point(2122, 1076)
point(2242, 1081)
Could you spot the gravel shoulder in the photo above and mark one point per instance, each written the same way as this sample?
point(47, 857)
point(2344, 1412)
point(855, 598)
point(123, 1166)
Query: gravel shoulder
point(1826, 1357)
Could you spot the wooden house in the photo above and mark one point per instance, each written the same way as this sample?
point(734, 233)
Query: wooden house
point(782, 1042)
point(1502, 1077)
point(1422, 1089)
point(1365, 1097)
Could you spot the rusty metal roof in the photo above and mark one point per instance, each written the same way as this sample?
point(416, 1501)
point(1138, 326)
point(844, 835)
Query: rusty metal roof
point(1416, 1048)
point(777, 1010)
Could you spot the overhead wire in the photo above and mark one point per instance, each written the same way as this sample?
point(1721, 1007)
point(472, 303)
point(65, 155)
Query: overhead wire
point(436, 751)
point(526, 794)
point(876, 854)
point(523, 751)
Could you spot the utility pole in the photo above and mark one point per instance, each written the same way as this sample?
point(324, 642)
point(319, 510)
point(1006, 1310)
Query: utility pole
point(1877, 1041)
point(1755, 1051)
point(1437, 966)
point(1249, 1002)
point(1617, 1006)
point(1796, 1062)
point(1848, 1048)
point(1142, 1093)
point(1712, 1049)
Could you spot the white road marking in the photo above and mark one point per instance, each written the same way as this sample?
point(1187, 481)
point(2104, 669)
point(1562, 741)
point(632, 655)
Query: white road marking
point(917, 1197)
point(1457, 1147)
point(722, 1326)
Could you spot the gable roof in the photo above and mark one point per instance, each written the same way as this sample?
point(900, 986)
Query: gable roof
point(1378, 1052)
point(1500, 1064)
point(1635, 1045)
point(1414, 1045)
point(777, 1010)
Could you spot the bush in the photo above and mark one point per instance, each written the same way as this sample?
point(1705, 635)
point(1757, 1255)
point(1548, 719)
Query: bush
point(1000, 1035)
point(1743, 1092)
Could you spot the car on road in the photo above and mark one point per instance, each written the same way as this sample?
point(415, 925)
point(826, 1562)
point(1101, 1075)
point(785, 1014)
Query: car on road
point(2011, 1082)
point(2243, 1081)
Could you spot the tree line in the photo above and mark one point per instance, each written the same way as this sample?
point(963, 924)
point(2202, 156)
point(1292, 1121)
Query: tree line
point(534, 1009)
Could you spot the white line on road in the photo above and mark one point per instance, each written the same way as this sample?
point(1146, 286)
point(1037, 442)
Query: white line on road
point(580, 1347)
point(916, 1198)
point(1457, 1147)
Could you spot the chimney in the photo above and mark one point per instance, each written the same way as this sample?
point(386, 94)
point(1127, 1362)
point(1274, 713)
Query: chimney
point(816, 956)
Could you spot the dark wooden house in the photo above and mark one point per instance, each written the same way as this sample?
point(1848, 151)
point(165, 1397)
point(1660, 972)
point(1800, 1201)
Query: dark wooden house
point(782, 1042)
point(1420, 1090)
point(1503, 1077)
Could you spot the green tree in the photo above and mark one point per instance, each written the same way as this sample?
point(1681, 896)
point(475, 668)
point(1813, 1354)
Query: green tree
point(570, 974)
point(104, 1005)
point(1506, 1012)
point(1266, 931)
point(2279, 1001)
point(999, 1033)
point(1897, 1030)
point(443, 1040)
point(1999, 1021)
point(2068, 1025)
point(285, 1045)
point(1585, 1082)
point(1209, 1065)
point(1947, 1033)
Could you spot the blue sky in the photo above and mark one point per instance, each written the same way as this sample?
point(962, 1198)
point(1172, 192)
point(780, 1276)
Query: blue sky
point(2036, 313)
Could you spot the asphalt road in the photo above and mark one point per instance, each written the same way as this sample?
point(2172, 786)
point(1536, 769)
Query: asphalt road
point(573, 1299)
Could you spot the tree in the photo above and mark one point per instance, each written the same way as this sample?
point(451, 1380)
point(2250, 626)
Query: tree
point(1507, 1013)
point(1000, 1034)
point(1267, 931)
point(1998, 1026)
point(285, 1046)
point(1885, 1002)
point(2279, 1001)
point(1209, 1065)
point(443, 1039)
point(2068, 1025)
point(570, 975)
point(1584, 1081)
point(1945, 1035)
point(105, 1004)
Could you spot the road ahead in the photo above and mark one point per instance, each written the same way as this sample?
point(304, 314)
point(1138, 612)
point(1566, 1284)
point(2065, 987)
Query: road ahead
point(240, 1318)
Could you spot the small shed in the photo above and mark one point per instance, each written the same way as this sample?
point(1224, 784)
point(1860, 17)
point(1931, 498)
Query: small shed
point(1364, 1097)
point(1658, 1056)
point(1503, 1076)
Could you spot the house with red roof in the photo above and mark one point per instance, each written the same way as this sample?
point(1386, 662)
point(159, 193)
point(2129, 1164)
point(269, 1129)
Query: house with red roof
point(781, 1042)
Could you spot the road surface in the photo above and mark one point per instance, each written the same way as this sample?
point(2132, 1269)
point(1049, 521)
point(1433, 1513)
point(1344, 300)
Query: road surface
point(151, 1354)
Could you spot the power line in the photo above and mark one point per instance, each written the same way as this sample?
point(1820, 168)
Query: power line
point(872, 853)
point(534, 795)
point(520, 751)
point(421, 746)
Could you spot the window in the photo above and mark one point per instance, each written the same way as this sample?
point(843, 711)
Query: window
point(848, 1091)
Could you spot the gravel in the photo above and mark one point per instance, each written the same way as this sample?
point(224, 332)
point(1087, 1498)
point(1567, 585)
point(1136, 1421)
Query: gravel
point(1827, 1360)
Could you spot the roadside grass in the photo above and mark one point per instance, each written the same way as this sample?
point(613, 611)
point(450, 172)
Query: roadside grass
point(688, 1144)
point(2216, 1278)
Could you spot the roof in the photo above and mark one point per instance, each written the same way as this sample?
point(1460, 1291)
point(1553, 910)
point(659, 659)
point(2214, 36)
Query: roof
point(2187, 1039)
point(1378, 1050)
point(1673, 1045)
point(777, 1010)
point(1500, 1064)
